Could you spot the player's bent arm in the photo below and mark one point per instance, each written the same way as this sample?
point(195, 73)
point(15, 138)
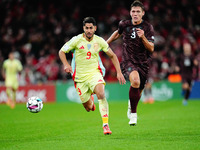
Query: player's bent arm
point(148, 45)
point(66, 65)
point(113, 37)
point(115, 62)
point(3, 73)
point(196, 62)
point(114, 59)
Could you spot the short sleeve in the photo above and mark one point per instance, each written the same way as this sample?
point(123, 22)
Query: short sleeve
point(19, 66)
point(104, 45)
point(4, 64)
point(70, 45)
point(150, 34)
point(120, 27)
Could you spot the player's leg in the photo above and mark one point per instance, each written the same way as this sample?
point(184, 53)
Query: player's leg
point(151, 99)
point(148, 98)
point(85, 95)
point(146, 95)
point(134, 95)
point(13, 98)
point(89, 105)
point(186, 89)
point(103, 106)
point(9, 95)
point(129, 109)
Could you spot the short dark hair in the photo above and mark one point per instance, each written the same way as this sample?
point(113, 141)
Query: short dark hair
point(137, 3)
point(89, 20)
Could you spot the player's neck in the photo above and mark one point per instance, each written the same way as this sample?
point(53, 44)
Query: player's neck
point(136, 22)
point(88, 39)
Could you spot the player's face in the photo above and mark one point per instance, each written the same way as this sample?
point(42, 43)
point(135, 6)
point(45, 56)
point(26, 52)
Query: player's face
point(89, 30)
point(187, 49)
point(136, 14)
point(11, 56)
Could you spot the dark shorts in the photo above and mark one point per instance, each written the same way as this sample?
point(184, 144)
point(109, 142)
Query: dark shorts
point(143, 70)
point(187, 79)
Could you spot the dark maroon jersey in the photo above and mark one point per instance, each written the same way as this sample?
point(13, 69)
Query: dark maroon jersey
point(186, 66)
point(134, 51)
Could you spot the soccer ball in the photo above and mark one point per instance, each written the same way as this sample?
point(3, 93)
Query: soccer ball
point(34, 104)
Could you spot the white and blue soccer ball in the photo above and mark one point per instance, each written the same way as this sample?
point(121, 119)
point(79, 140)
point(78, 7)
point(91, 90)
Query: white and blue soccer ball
point(34, 104)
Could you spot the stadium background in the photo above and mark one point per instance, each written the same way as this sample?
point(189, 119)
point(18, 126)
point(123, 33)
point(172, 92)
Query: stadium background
point(36, 30)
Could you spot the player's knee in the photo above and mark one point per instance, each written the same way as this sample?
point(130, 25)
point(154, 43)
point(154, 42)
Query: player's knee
point(87, 108)
point(100, 95)
point(185, 86)
point(135, 83)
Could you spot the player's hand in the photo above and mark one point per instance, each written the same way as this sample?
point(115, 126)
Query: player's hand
point(68, 69)
point(140, 32)
point(121, 78)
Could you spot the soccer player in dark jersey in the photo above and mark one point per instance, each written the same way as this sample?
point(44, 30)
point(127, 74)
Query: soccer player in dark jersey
point(185, 65)
point(138, 45)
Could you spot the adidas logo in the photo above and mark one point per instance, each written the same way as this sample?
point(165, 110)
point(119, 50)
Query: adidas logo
point(106, 115)
point(82, 47)
point(100, 80)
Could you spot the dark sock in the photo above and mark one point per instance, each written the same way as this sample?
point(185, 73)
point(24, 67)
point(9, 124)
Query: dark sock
point(187, 94)
point(134, 96)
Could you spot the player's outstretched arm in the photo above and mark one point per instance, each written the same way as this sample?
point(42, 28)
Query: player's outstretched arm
point(66, 65)
point(115, 62)
point(113, 37)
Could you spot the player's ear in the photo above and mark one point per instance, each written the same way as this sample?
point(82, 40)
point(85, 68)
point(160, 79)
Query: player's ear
point(95, 28)
point(143, 13)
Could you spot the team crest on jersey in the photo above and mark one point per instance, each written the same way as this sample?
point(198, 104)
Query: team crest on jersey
point(88, 46)
point(96, 47)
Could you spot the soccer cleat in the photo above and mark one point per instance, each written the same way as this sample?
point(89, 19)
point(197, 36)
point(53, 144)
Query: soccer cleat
point(12, 106)
point(94, 106)
point(9, 101)
point(151, 100)
point(106, 130)
point(129, 109)
point(133, 119)
point(185, 102)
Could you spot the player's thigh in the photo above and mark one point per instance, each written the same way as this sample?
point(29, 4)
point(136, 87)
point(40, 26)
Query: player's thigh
point(13, 84)
point(99, 90)
point(88, 105)
point(185, 85)
point(97, 85)
point(83, 91)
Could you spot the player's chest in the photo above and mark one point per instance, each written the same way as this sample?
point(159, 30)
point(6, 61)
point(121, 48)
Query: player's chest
point(130, 32)
point(11, 66)
point(187, 62)
point(88, 49)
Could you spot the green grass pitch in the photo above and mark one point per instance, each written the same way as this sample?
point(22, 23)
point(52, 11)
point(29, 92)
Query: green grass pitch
point(67, 126)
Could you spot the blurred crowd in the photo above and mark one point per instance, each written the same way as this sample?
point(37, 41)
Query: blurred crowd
point(36, 30)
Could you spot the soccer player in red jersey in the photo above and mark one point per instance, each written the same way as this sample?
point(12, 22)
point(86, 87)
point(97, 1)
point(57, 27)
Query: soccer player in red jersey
point(138, 45)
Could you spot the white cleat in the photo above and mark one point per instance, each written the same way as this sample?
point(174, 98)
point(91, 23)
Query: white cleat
point(133, 119)
point(129, 109)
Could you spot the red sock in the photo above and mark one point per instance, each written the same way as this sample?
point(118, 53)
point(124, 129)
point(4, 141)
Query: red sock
point(134, 96)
